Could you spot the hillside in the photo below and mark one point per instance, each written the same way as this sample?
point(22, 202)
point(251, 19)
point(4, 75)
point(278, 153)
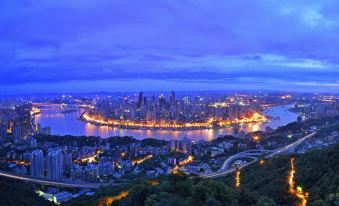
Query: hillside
point(14, 193)
point(264, 184)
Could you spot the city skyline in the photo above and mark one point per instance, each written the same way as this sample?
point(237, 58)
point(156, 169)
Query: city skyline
point(131, 46)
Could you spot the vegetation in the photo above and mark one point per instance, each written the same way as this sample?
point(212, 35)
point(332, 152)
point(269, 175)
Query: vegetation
point(263, 184)
point(81, 141)
point(15, 193)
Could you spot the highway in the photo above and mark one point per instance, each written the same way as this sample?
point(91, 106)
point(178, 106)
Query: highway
point(249, 153)
point(291, 146)
point(225, 170)
point(54, 183)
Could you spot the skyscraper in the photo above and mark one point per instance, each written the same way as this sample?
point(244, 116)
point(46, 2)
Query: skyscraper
point(140, 100)
point(37, 163)
point(172, 98)
point(54, 164)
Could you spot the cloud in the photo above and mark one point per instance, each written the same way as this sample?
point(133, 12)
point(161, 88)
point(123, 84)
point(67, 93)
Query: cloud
point(252, 42)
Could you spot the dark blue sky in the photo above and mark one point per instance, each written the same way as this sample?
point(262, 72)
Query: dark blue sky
point(132, 45)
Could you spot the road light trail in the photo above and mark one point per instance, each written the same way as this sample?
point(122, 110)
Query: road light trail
point(237, 179)
point(302, 196)
point(52, 182)
point(224, 171)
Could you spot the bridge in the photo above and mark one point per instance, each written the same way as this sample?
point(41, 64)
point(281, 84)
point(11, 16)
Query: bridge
point(225, 168)
point(44, 104)
point(55, 183)
point(290, 147)
point(49, 106)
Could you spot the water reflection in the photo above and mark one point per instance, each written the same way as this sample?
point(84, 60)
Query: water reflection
point(69, 124)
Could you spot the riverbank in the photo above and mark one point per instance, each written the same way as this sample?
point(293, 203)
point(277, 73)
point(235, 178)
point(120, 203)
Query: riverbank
point(70, 124)
point(171, 126)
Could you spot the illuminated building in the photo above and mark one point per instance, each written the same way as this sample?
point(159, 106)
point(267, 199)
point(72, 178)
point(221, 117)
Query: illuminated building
point(54, 164)
point(32, 142)
point(37, 163)
point(17, 131)
point(89, 173)
point(184, 146)
point(42, 130)
point(68, 157)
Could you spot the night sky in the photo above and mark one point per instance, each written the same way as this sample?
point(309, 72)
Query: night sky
point(153, 45)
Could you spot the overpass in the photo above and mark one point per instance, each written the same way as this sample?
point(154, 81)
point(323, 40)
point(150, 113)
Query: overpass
point(248, 153)
point(55, 183)
point(290, 147)
point(225, 168)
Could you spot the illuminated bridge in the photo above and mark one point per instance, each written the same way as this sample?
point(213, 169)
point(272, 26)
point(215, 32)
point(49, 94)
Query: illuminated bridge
point(46, 104)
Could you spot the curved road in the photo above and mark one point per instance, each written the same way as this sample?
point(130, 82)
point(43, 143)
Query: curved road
point(249, 153)
point(225, 171)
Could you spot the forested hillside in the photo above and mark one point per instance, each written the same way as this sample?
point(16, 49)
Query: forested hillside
point(263, 183)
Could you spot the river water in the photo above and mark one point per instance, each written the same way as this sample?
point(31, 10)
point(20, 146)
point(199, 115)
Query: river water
point(69, 124)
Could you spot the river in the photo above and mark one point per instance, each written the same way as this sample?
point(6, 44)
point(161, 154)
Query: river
point(69, 124)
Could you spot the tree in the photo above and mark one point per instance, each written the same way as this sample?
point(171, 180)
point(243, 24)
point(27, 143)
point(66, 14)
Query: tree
point(266, 201)
point(206, 189)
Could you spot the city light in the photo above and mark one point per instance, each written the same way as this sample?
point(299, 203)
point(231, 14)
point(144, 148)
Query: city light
point(22, 162)
point(183, 162)
point(109, 200)
point(286, 96)
point(90, 159)
point(154, 182)
point(9, 130)
point(254, 118)
point(139, 161)
point(35, 111)
point(262, 162)
point(237, 179)
point(96, 119)
point(188, 160)
point(256, 138)
point(297, 191)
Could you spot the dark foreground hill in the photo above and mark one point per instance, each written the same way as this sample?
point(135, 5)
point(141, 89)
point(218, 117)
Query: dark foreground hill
point(15, 193)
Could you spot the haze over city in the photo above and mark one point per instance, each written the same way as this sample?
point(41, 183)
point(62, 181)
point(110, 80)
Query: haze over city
point(62, 46)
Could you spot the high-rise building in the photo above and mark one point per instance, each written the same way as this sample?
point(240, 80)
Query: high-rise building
point(18, 133)
point(68, 160)
point(184, 146)
point(162, 101)
point(140, 99)
point(32, 142)
point(172, 98)
point(37, 163)
point(54, 164)
point(174, 145)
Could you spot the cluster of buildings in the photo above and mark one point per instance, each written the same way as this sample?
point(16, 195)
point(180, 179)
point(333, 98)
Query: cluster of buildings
point(115, 159)
point(316, 110)
point(53, 162)
point(172, 109)
point(318, 106)
point(16, 121)
point(184, 146)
